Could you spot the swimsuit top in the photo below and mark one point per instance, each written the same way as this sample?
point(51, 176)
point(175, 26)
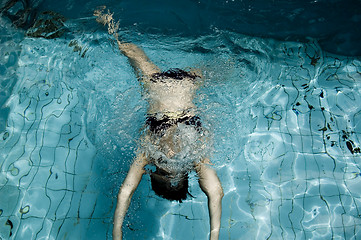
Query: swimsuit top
point(188, 132)
point(173, 73)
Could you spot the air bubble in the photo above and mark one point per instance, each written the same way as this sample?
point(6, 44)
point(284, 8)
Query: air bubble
point(6, 135)
point(25, 209)
point(14, 170)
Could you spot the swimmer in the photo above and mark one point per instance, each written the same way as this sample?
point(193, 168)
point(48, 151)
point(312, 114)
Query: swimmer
point(173, 132)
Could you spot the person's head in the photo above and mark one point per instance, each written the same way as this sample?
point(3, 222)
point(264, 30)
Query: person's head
point(166, 186)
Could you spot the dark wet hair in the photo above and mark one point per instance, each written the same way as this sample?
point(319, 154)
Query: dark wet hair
point(163, 187)
point(174, 73)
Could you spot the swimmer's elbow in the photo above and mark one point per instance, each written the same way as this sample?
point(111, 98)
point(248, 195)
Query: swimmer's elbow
point(215, 192)
point(219, 192)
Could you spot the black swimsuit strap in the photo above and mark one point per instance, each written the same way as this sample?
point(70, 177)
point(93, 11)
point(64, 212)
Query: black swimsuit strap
point(158, 125)
point(173, 73)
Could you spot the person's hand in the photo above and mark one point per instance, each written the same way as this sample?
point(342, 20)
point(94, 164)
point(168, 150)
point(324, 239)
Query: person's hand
point(106, 19)
point(101, 17)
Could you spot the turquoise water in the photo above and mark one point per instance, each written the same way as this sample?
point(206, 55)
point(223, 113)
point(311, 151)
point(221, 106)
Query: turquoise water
point(285, 119)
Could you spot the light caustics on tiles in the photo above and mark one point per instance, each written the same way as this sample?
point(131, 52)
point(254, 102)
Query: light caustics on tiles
point(46, 159)
point(304, 152)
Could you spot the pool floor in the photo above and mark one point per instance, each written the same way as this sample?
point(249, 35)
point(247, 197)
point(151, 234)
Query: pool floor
point(285, 119)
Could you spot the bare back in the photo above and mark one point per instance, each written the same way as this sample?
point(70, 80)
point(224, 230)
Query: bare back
point(170, 96)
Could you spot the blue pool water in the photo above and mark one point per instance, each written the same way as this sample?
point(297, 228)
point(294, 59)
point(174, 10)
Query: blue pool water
point(284, 115)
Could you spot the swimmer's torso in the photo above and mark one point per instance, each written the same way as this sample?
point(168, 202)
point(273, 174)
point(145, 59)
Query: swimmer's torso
point(172, 142)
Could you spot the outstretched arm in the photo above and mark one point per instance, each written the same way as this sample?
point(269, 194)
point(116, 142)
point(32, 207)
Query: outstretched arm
point(125, 194)
point(211, 186)
point(137, 58)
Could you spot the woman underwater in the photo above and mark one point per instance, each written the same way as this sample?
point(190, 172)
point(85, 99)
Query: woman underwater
point(173, 133)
